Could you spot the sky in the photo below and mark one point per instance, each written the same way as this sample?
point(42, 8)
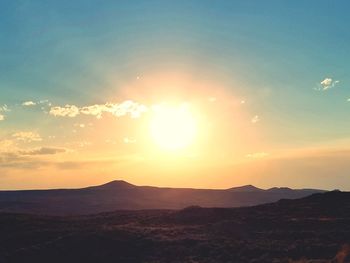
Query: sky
point(203, 94)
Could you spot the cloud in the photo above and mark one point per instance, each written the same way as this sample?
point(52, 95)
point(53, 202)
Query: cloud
point(257, 155)
point(27, 136)
point(94, 110)
point(328, 83)
point(28, 103)
point(8, 158)
point(80, 144)
point(128, 107)
point(42, 151)
point(3, 108)
point(14, 160)
point(46, 102)
point(66, 111)
point(255, 119)
point(132, 108)
point(80, 125)
point(7, 145)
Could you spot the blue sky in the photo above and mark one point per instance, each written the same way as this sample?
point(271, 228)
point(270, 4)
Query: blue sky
point(271, 54)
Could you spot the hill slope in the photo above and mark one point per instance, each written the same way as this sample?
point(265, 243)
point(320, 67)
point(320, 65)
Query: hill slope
point(311, 229)
point(120, 195)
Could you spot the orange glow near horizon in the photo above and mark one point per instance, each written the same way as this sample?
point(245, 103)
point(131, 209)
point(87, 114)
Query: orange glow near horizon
point(189, 126)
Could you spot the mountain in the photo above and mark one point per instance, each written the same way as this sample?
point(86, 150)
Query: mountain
point(311, 229)
point(121, 195)
point(245, 188)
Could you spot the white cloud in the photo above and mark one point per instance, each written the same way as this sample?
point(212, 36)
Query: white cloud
point(128, 107)
point(257, 155)
point(46, 102)
point(132, 108)
point(255, 119)
point(28, 103)
point(27, 136)
point(328, 83)
point(94, 110)
point(66, 111)
point(3, 108)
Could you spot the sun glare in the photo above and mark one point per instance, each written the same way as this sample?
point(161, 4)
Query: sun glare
point(173, 127)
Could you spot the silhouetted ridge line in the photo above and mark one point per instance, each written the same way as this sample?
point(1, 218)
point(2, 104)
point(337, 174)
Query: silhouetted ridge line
point(116, 184)
point(245, 188)
point(121, 195)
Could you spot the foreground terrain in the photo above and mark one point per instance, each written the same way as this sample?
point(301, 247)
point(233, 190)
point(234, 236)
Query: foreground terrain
point(311, 229)
point(120, 195)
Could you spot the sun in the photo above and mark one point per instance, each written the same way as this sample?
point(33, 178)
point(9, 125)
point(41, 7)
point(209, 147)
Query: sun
point(173, 127)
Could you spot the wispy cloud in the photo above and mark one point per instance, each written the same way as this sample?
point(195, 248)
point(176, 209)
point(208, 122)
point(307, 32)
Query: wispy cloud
point(46, 102)
point(255, 119)
point(15, 160)
point(327, 83)
point(12, 157)
point(42, 151)
point(29, 103)
point(128, 107)
point(80, 125)
point(66, 111)
point(7, 145)
point(27, 136)
point(94, 110)
point(134, 109)
point(3, 108)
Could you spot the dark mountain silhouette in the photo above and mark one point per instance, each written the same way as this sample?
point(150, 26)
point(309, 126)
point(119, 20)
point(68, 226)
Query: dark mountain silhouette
point(246, 188)
point(117, 184)
point(120, 195)
point(311, 229)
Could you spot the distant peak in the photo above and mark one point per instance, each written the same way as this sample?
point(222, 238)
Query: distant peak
point(279, 189)
point(246, 188)
point(116, 184)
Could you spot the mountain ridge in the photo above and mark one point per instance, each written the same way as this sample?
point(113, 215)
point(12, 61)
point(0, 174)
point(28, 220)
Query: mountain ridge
point(121, 195)
point(123, 183)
